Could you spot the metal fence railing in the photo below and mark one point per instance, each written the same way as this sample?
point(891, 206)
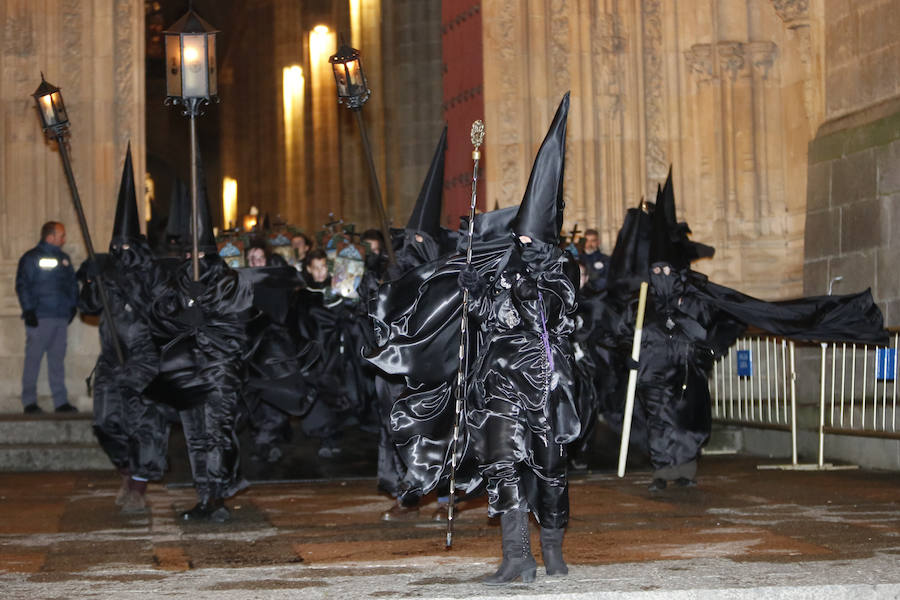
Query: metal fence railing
point(755, 383)
point(858, 392)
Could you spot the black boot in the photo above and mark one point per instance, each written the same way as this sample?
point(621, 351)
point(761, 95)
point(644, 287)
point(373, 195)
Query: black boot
point(200, 512)
point(517, 558)
point(210, 510)
point(551, 550)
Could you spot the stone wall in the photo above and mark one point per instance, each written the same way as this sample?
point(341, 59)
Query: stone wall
point(94, 51)
point(853, 212)
point(861, 54)
point(853, 218)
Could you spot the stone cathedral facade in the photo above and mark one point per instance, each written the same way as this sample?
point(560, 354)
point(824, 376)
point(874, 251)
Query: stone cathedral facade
point(780, 119)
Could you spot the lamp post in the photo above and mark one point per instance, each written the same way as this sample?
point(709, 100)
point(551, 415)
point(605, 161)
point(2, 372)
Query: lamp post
point(354, 92)
point(55, 123)
point(191, 82)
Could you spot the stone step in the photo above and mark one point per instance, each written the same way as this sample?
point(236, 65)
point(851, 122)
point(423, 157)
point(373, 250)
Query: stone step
point(46, 429)
point(52, 457)
point(49, 442)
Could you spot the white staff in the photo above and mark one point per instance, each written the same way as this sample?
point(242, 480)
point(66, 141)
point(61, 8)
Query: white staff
point(632, 379)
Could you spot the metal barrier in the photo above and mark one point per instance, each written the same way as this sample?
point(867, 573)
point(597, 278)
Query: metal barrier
point(865, 403)
point(760, 391)
point(754, 385)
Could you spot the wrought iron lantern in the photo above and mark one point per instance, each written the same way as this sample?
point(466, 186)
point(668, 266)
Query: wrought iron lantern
point(190, 60)
point(352, 88)
point(51, 108)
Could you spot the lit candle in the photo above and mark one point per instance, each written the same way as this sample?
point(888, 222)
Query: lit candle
point(47, 109)
point(195, 79)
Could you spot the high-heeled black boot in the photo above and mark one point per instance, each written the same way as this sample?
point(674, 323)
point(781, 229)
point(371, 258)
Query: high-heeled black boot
point(551, 550)
point(517, 558)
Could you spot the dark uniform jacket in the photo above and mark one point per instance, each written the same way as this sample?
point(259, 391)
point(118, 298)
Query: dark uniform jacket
point(45, 282)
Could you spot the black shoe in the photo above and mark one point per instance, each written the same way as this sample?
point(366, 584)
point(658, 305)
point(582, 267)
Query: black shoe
point(657, 485)
point(65, 408)
point(200, 512)
point(33, 409)
point(685, 482)
point(215, 511)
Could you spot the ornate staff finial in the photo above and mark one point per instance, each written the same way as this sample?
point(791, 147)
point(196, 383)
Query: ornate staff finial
point(477, 138)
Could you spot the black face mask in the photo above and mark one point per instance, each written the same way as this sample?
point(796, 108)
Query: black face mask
point(135, 256)
point(665, 289)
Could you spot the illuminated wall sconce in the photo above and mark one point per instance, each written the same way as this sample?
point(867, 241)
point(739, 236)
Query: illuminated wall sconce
point(229, 202)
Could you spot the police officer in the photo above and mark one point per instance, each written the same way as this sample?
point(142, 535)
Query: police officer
point(48, 293)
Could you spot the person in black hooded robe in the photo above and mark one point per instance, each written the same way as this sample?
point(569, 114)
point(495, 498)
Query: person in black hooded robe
point(519, 411)
point(199, 326)
point(132, 430)
point(691, 322)
point(278, 360)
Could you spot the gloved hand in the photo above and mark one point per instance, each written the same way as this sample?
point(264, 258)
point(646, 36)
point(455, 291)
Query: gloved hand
point(91, 269)
point(469, 279)
point(31, 319)
point(631, 364)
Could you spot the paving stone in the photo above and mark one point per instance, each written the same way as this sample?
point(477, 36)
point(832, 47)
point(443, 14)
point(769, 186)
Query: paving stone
point(742, 533)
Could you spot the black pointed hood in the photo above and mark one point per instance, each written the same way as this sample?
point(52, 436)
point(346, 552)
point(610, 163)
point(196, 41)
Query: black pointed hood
point(488, 227)
point(629, 262)
point(205, 238)
point(540, 214)
point(662, 247)
point(426, 215)
point(670, 238)
point(126, 227)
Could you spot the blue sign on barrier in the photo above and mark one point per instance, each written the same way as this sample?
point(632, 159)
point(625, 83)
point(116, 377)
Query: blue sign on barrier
point(744, 363)
point(884, 363)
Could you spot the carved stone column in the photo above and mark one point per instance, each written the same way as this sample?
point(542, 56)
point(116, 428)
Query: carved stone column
point(93, 50)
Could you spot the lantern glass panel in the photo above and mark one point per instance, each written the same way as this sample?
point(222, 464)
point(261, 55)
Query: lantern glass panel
point(211, 49)
point(48, 115)
point(354, 76)
point(340, 78)
point(59, 107)
point(173, 65)
point(195, 69)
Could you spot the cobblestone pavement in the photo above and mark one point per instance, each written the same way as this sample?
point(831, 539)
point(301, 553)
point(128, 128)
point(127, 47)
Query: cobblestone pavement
point(742, 533)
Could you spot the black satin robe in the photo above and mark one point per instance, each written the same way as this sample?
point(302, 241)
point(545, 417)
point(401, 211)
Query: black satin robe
point(522, 408)
point(131, 429)
point(519, 412)
point(691, 322)
point(200, 328)
point(278, 361)
point(409, 254)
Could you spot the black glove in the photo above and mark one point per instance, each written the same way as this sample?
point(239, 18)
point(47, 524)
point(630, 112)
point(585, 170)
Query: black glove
point(469, 279)
point(91, 268)
point(631, 363)
point(31, 319)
